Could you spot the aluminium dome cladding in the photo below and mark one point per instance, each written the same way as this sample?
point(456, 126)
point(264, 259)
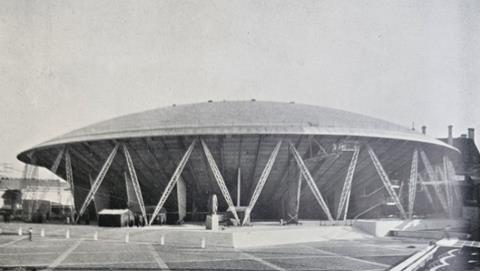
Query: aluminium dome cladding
point(240, 117)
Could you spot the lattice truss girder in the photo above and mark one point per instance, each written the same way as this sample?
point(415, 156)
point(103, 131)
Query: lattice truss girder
point(31, 172)
point(173, 181)
point(441, 174)
point(449, 177)
point(450, 169)
point(134, 180)
point(425, 189)
point(431, 175)
point(98, 181)
point(261, 182)
point(412, 183)
point(311, 183)
point(69, 173)
point(347, 185)
point(386, 181)
point(220, 181)
point(57, 161)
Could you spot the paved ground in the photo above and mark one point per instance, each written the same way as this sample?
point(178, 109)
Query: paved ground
point(110, 252)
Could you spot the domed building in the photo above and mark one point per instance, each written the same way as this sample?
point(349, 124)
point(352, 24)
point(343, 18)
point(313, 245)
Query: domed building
point(263, 160)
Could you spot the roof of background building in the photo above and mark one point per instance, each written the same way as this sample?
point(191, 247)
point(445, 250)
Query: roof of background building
point(469, 162)
point(21, 183)
point(241, 117)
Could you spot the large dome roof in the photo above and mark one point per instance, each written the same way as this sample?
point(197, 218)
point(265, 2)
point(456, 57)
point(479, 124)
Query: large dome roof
point(241, 117)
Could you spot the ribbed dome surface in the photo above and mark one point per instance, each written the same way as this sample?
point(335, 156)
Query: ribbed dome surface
point(240, 117)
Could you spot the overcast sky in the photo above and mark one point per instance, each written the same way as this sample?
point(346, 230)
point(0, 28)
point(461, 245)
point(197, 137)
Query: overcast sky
point(66, 64)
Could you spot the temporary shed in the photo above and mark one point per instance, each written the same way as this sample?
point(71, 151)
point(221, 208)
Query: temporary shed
point(115, 217)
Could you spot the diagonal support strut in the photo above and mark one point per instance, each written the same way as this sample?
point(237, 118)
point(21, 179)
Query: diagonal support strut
point(262, 181)
point(425, 189)
point(412, 183)
point(347, 185)
point(134, 179)
point(220, 181)
point(448, 184)
point(451, 175)
point(69, 173)
point(57, 161)
point(98, 181)
point(386, 181)
point(311, 183)
point(173, 181)
point(431, 177)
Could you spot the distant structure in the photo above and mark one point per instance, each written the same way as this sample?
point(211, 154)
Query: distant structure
point(467, 167)
point(27, 198)
point(277, 160)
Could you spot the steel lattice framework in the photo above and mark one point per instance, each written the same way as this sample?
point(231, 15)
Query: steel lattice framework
point(427, 192)
point(98, 181)
point(134, 179)
point(386, 181)
point(261, 182)
point(220, 181)
point(57, 162)
point(431, 176)
point(69, 171)
point(311, 183)
point(347, 186)
point(173, 181)
point(412, 183)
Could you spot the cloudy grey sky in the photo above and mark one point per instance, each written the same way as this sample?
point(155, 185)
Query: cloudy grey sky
point(66, 64)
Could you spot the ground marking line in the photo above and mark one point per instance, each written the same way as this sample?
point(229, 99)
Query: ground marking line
point(211, 260)
point(103, 264)
point(248, 258)
point(63, 256)
point(157, 258)
point(396, 247)
point(35, 265)
point(93, 251)
point(325, 256)
point(13, 241)
point(27, 253)
point(262, 261)
point(344, 256)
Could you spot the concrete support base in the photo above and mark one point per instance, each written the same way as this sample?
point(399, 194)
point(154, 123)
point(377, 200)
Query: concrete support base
point(212, 222)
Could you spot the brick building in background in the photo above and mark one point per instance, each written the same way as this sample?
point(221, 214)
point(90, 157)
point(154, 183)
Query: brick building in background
point(467, 167)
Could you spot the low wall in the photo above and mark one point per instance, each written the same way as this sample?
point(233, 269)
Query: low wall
point(383, 227)
point(270, 237)
point(377, 227)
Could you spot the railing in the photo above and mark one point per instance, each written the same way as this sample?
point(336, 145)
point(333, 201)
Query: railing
point(417, 260)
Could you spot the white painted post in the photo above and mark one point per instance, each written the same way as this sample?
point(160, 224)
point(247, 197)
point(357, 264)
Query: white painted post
point(67, 234)
point(95, 236)
point(20, 231)
point(239, 183)
point(162, 240)
point(42, 233)
point(127, 237)
point(202, 245)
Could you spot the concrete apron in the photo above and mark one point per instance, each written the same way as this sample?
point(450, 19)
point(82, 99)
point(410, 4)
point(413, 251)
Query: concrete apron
point(385, 227)
point(244, 237)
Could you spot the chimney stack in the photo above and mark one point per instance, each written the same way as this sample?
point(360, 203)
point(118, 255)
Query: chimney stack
point(424, 129)
point(471, 133)
point(450, 135)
